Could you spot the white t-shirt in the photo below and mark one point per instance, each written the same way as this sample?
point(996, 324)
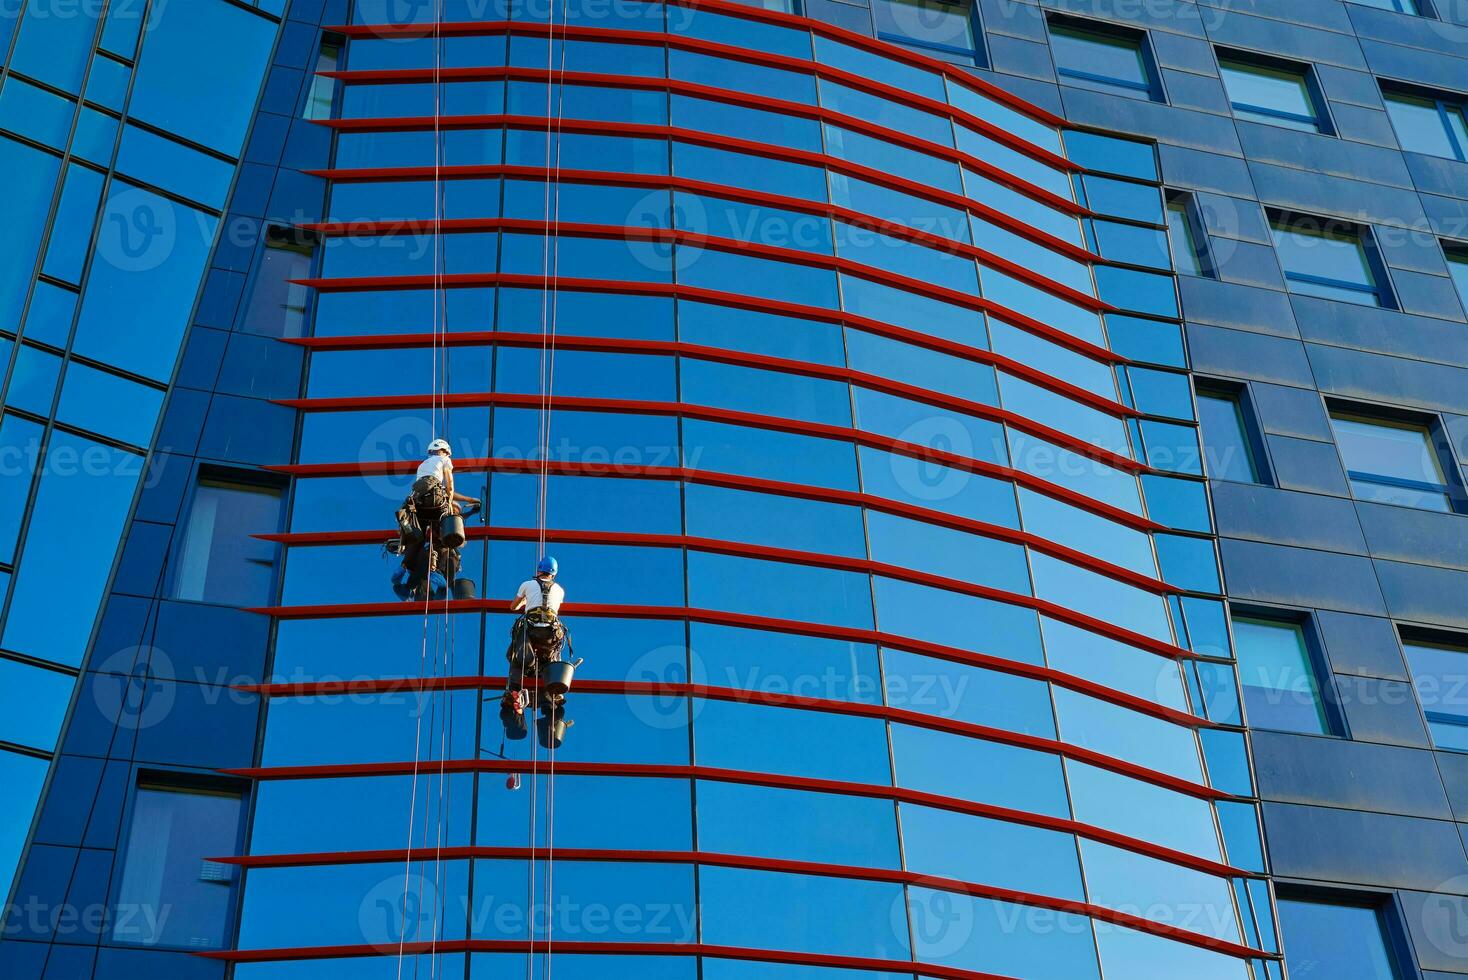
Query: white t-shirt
point(532, 594)
point(437, 466)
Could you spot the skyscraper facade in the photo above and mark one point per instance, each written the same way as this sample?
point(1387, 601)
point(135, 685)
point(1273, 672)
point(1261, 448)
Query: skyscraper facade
point(1002, 462)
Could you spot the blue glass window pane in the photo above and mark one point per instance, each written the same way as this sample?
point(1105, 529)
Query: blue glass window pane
point(1128, 953)
point(901, 308)
point(1161, 392)
point(35, 113)
point(1142, 810)
point(663, 807)
point(928, 426)
point(360, 813)
point(1220, 693)
point(54, 44)
point(880, 201)
point(174, 832)
point(741, 76)
point(776, 521)
point(1228, 761)
point(767, 278)
point(965, 693)
point(1010, 120)
point(714, 969)
point(1113, 663)
point(220, 559)
point(1066, 524)
point(1049, 309)
point(627, 59)
point(71, 231)
point(1015, 163)
point(965, 622)
point(1278, 96)
point(1029, 254)
point(48, 321)
point(1007, 200)
point(1139, 202)
point(30, 176)
point(23, 776)
point(150, 258)
point(901, 161)
point(1281, 690)
point(362, 729)
point(1228, 450)
point(1097, 595)
point(773, 393)
point(934, 27)
point(1118, 156)
point(109, 405)
point(993, 852)
point(754, 332)
point(1240, 823)
point(1059, 362)
point(1067, 468)
point(588, 314)
point(741, 122)
point(734, 819)
point(782, 663)
point(107, 83)
point(790, 742)
point(1001, 938)
point(1122, 733)
point(768, 588)
point(1189, 563)
point(1427, 125)
point(1436, 670)
point(907, 543)
point(880, 67)
point(722, 218)
point(1458, 269)
point(769, 455)
point(166, 163)
point(578, 374)
point(801, 913)
point(96, 135)
point(1207, 627)
point(879, 111)
point(580, 502)
point(20, 448)
point(1150, 341)
point(33, 382)
point(1141, 292)
point(215, 108)
point(984, 772)
point(586, 152)
point(1391, 462)
point(941, 488)
point(33, 703)
point(741, 32)
point(79, 514)
point(1172, 447)
point(580, 102)
point(904, 258)
point(1337, 940)
point(1106, 60)
point(1050, 408)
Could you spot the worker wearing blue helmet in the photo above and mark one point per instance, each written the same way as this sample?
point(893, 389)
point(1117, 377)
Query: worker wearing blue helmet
point(535, 639)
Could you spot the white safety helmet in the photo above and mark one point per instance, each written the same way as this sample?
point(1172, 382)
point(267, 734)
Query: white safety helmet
point(438, 445)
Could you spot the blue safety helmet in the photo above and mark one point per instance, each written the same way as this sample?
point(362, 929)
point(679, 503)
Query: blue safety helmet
point(547, 566)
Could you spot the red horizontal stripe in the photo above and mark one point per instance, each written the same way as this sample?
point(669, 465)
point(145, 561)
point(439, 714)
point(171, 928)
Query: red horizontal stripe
point(450, 947)
point(709, 414)
point(627, 345)
point(743, 302)
point(748, 863)
point(743, 778)
point(722, 617)
point(660, 38)
point(728, 96)
point(795, 256)
point(747, 550)
point(711, 478)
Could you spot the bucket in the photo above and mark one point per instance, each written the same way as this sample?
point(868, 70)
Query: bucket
point(451, 531)
point(464, 588)
point(556, 677)
point(551, 730)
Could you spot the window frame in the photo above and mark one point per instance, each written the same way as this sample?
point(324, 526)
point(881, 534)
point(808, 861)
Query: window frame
point(1421, 8)
point(1296, 222)
point(1256, 443)
point(1243, 60)
point(1437, 437)
point(205, 472)
point(181, 780)
point(1185, 204)
point(1326, 689)
point(311, 99)
point(1078, 28)
point(1426, 636)
point(1456, 253)
point(978, 55)
point(1387, 904)
point(1445, 103)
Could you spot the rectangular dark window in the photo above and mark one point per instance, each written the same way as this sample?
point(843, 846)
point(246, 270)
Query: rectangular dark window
point(1342, 937)
point(1104, 57)
point(1439, 664)
point(1393, 460)
point(277, 305)
point(1428, 123)
point(321, 95)
point(1275, 92)
point(1186, 235)
point(1400, 6)
point(219, 560)
point(1457, 256)
point(1278, 671)
point(1230, 446)
point(1329, 259)
point(170, 893)
point(942, 28)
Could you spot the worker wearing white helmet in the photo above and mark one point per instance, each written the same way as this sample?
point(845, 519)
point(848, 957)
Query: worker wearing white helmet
point(439, 468)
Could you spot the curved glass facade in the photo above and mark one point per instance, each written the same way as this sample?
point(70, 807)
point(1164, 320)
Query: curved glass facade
point(857, 506)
